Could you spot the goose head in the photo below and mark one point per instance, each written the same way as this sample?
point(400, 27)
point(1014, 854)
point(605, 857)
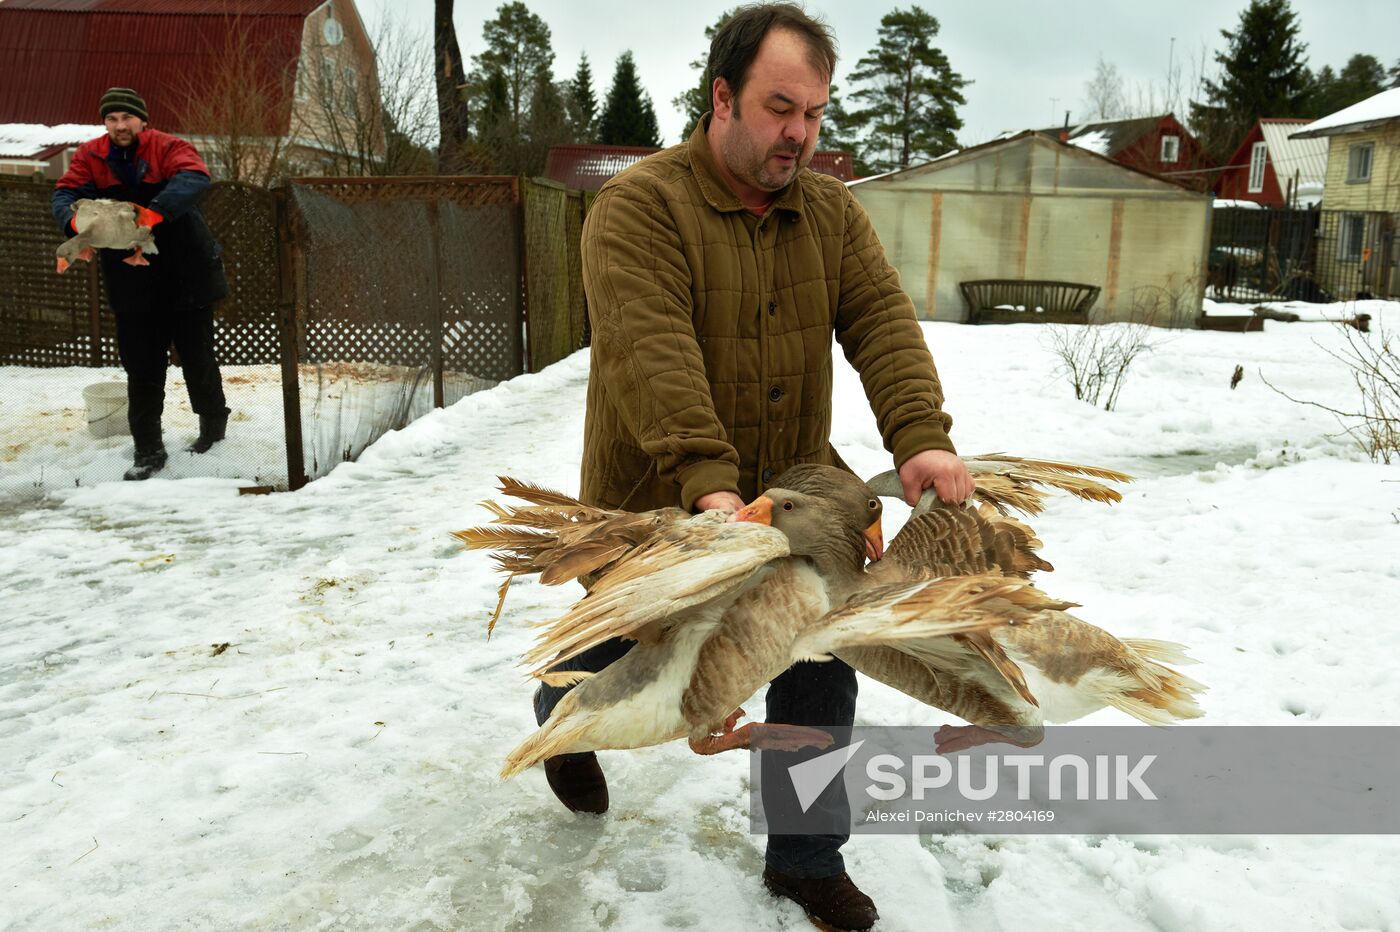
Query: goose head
point(827, 514)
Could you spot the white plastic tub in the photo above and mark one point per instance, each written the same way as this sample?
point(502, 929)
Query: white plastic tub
point(106, 409)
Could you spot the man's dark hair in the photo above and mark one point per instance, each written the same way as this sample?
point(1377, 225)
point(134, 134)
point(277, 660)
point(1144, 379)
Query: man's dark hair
point(735, 45)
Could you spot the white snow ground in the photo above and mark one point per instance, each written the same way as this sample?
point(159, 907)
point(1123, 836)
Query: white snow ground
point(334, 766)
point(45, 443)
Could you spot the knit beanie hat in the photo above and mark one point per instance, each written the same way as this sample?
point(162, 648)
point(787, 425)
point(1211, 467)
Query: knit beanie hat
point(123, 99)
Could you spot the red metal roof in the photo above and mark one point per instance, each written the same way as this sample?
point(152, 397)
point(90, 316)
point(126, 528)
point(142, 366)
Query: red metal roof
point(587, 167)
point(59, 56)
point(836, 164)
point(201, 7)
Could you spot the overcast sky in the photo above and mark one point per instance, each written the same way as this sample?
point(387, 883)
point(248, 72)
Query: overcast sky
point(1028, 61)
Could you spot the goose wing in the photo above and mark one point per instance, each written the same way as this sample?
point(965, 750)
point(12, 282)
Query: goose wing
point(914, 616)
point(954, 540)
point(680, 567)
point(558, 536)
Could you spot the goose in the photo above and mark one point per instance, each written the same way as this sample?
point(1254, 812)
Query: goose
point(719, 605)
point(106, 224)
point(1058, 668)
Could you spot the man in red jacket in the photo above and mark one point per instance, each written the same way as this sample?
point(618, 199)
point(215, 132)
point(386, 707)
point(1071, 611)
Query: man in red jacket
point(171, 300)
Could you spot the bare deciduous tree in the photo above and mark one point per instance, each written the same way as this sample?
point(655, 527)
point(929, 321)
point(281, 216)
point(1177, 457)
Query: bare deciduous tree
point(1104, 94)
point(239, 108)
point(375, 120)
point(362, 118)
point(1096, 358)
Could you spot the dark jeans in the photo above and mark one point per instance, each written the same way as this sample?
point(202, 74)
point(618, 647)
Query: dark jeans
point(143, 342)
point(819, 694)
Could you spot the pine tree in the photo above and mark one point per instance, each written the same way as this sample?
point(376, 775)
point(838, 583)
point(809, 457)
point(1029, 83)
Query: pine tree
point(518, 46)
point(628, 116)
point(497, 135)
point(911, 93)
point(840, 133)
point(696, 102)
point(548, 124)
point(1263, 74)
point(1361, 77)
point(583, 103)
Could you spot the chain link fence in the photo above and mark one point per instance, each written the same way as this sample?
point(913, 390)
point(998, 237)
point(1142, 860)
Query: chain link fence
point(357, 305)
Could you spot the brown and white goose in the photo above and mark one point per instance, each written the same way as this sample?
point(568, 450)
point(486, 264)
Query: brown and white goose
point(1056, 669)
point(719, 607)
point(106, 224)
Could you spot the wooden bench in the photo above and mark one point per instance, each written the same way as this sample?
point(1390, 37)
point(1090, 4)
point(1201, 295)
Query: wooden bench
point(1009, 301)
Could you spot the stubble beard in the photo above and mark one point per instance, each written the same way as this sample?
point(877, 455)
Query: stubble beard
point(751, 167)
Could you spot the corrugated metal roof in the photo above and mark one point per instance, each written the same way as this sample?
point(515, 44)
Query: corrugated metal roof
point(1305, 157)
point(59, 57)
point(840, 165)
point(586, 167)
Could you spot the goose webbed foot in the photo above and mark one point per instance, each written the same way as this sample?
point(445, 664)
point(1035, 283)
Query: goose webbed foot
point(953, 738)
point(760, 736)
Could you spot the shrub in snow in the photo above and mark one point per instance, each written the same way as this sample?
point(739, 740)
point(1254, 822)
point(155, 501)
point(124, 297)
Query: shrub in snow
point(1373, 360)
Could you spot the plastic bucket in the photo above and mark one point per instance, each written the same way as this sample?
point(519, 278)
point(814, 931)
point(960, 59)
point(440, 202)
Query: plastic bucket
point(106, 409)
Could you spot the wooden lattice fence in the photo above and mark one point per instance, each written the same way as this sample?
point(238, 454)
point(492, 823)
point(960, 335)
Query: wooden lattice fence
point(445, 285)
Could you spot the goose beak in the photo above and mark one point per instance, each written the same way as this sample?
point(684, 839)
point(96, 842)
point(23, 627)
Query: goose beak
point(874, 541)
point(62, 265)
point(758, 511)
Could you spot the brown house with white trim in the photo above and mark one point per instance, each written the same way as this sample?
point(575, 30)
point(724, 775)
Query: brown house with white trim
point(1156, 144)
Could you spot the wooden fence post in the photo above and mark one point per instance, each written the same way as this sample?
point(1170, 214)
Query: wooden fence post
point(287, 300)
point(94, 312)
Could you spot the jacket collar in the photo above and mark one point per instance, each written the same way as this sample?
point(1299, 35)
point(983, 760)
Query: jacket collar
point(717, 193)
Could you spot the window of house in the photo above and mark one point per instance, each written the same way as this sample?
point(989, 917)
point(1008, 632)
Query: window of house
point(1257, 157)
point(1353, 237)
point(1171, 149)
point(1359, 163)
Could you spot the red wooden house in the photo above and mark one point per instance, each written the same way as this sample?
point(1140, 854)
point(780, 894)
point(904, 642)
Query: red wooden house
point(1159, 145)
point(1272, 170)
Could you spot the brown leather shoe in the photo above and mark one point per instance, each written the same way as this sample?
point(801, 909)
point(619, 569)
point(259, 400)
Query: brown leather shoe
point(831, 902)
point(578, 781)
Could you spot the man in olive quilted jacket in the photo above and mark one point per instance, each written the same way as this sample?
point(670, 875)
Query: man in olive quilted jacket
point(717, 272)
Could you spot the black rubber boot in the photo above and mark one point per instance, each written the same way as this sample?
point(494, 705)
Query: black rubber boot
point(144, 404)
point(148, 463)
point(211, 431)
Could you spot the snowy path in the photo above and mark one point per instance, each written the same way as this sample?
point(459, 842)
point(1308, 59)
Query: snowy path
point(334, 766)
